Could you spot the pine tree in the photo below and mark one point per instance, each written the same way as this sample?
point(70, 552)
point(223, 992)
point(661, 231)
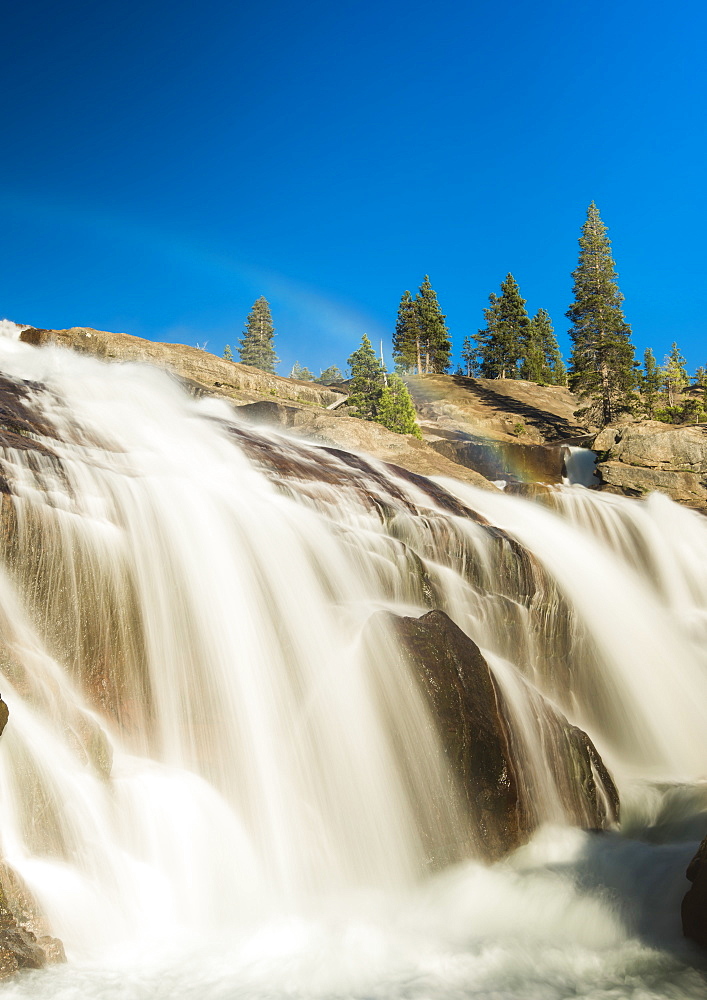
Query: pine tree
point(504, 338)
point(651, 383)
point(602, 365)
point(228, 353)
point(542, 361)
point(300, 373)
point(257, 342)
point(470, 357)
point(436, 347)
point(407, 339)
point(396, 410)
point(330, 376)
point(533, 366)
point(560, 374)
point(367, 381)
point(674, 373)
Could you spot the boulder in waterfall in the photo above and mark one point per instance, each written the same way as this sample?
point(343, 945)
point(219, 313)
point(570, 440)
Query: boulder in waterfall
point(642, 458)
point(24, 939)
point(485, 749)
point(694, 904)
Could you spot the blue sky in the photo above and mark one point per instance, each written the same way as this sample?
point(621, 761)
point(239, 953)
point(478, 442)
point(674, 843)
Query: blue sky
point(166, 163)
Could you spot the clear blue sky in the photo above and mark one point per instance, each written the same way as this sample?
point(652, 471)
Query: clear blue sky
point(165, 163)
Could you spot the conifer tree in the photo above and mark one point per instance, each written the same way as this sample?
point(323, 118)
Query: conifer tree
point(330, 376)
point(435, 342)
point(674, 372)
point(533, 366)
point(541, 357)
point(257, 342)
point(300, 373)
point(470, 352)
point(367, 381)
point(407, 339)
point(228, 353)
point(560, 375)
point(396, 410)
point(504, 337)
point(651, 383)
point(602, 364)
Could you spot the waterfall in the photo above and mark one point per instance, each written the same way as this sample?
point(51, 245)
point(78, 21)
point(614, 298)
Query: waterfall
point(205, 736)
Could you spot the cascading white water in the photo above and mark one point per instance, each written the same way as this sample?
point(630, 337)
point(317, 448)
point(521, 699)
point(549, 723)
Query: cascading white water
point(579, 466)
point(261, 832)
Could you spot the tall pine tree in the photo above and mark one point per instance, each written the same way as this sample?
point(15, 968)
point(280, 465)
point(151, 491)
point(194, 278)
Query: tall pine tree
point(675, 377)
point(651, 383)
point(542, 361)
point(437, 347)
point(407, 339)
point(504, 337)
point(257, 342)
point(421, 340)
point(602, 365)
point(469, 365)
point(367, 381)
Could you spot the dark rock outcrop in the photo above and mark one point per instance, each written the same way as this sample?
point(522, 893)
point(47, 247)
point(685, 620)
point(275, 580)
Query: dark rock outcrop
point(487, 754)
point(694, 905)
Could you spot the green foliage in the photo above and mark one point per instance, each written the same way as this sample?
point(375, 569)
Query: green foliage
point(374, 395)
point(602, 363)
point(367, 381)
point(330, 376)
point(560, 373)
point(257, 342)
point(674, 372)
point(435, 336)
point(421, 340)
point(300, 373)
point(228, 353)
point(407, 339)
point(504, 339)
point(692, 411)
point(651, 382)
point(470, 357)
point(549, 366)
point(395, 408)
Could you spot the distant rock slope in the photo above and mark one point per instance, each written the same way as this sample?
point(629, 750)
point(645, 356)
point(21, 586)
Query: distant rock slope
point(503, 409)
point(238, 382)
point(506, 429)
point(302, 407)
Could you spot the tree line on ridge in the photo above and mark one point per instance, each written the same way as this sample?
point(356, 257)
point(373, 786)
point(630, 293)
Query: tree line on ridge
point(602, 367)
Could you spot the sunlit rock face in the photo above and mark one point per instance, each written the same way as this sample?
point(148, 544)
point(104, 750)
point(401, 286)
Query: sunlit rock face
point(638, 459)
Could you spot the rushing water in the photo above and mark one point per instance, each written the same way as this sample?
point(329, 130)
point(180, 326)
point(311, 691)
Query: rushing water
point(199, 780)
